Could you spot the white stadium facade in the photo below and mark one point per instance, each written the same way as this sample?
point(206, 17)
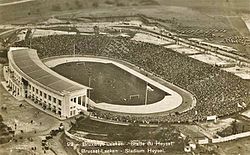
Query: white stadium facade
point(26, 77)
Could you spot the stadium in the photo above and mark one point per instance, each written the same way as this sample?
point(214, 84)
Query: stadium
point(124, 77)
point(29, 79)
point(214, 91)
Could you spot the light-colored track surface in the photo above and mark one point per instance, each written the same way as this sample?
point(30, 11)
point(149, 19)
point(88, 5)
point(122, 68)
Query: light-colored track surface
point(13, 3)
point(167, 103)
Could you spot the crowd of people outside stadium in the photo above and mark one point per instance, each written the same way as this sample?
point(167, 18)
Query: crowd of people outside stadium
point(217, 92)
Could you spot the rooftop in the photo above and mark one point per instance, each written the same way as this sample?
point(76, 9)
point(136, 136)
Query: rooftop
point(27, 61)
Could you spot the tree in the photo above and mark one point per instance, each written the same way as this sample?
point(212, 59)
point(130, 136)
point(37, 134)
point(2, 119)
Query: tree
point(112, 135)
point(186, 140)
point(56, 7)
point(234, 127)
point(109, 2)
point(95, 4)
point(78, 4)
point(120, 4)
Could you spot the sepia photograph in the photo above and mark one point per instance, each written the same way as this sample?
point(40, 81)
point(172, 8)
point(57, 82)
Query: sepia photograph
point(125, 77)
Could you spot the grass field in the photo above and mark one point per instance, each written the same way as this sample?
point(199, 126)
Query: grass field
point(127, 134)
point(110, 84)
point(114, 132)
point(88, 125)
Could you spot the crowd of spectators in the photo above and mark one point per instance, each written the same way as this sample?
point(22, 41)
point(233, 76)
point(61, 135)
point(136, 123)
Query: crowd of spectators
point(237, 40)
point(209, 33)
point(217, 92)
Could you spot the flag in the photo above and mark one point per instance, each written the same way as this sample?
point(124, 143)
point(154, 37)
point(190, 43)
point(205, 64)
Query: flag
point(149, 88)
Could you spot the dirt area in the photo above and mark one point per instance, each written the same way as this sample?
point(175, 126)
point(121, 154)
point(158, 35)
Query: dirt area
point(150, 39)
point(192, 131)
point(210, 59)
point(242, 72)
point(213, 128)
point(39, 32)
point(236, 147)
point(246, 19)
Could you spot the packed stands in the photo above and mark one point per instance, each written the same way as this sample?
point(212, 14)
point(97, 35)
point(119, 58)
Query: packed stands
point(217, 92)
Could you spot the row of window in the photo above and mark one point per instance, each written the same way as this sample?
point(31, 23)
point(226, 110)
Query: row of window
point(79, 100)
point(14, 88)
point(49, 106)
point(72, 113)
point(15, 77)
point(44, 95)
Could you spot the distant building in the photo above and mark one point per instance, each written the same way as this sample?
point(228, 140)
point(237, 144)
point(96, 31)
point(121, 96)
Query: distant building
point(212, 118)
point(28, 78)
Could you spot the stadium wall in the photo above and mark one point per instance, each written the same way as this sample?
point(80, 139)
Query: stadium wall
point(62, 106)
point(224, 139)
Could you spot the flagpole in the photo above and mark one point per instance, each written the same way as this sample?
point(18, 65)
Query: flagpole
point(89, 74)
point(146, 94)
point(74, 50)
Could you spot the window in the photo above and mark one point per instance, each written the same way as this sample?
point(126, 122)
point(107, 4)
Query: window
point(75, 100)
point(54, 99)
point(33, 89)
point(45, 95)
point(79, 100)
point(41, 93)
point(49, 97)
point(83, 100)
point(59, 102)
point(36, 91)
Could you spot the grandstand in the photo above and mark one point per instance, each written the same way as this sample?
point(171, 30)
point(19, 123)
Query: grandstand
point(28, 78)
point(217, 92)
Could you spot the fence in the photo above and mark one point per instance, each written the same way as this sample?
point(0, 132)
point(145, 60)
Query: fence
point(224, 139)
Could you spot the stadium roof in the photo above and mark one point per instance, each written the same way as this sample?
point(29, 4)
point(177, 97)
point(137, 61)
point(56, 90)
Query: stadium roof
point(32, 68)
